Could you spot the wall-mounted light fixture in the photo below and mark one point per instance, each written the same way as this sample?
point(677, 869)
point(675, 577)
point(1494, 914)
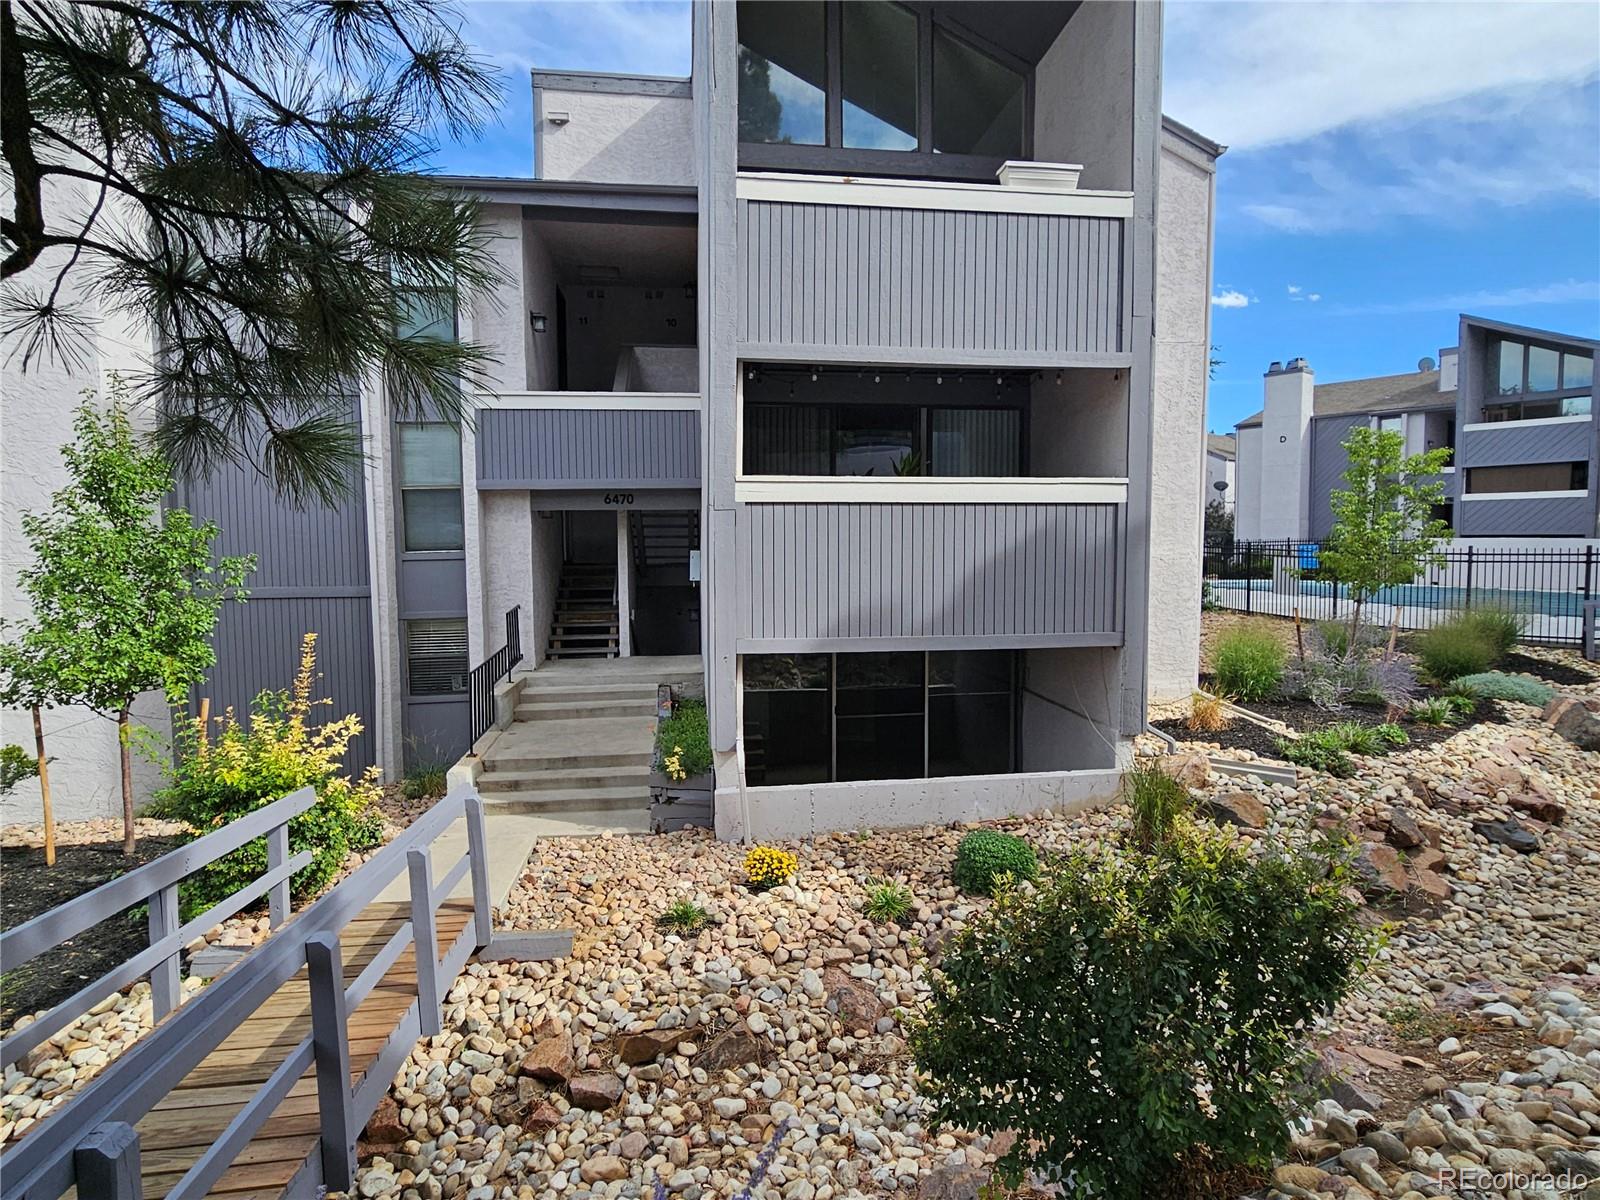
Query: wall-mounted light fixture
point(558, 118)
point(540, 323)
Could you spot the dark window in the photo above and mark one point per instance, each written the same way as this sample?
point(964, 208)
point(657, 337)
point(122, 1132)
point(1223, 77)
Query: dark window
point(427, 314)
point(882, 440)
point(812, 718)
point(971, 702)
point(1528, 477)
point(1577, 371)
point(788, 718)
point(879, 58)
point(875, 78)
point(978, 102)
point(436, 656)
point(879, 722)
point(1505, 364)
point(782, 73)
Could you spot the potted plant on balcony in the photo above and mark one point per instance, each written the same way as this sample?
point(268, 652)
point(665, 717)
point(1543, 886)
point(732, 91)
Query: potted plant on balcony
point(681, 779)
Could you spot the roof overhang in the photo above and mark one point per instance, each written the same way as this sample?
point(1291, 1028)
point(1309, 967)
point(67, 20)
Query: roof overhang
point(582, 201)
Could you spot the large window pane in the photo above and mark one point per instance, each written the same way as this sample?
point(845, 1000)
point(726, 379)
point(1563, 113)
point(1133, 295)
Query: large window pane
point(977, 102)
point(1577, 370)
point(787, 439)
point(1543, 369)
point(433, 518)
point(436, 656)
point(976, 442)
point(429, 315)
point(874, 439)
point(430, 455)
point(971, 702)
point(781, 72)
point(880, 716)
point(788, 718)
point(880, 77)
point(1505, 366)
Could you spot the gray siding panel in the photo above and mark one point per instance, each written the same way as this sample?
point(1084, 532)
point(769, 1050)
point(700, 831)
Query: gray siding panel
point(964, 284)
point(591, 448)
point(311, 577)
point(1570, 516)
point(1328, 463)
point(932, 573)
point(1512, 444)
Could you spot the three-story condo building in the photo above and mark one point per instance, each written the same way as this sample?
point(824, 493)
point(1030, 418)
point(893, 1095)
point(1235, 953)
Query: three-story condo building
point(828, 377)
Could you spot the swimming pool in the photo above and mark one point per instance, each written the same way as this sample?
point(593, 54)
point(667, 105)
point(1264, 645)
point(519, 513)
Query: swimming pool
point(1420, 595)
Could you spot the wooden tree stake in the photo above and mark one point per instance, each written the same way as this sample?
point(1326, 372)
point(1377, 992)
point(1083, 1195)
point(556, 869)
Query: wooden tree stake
point(44, 790)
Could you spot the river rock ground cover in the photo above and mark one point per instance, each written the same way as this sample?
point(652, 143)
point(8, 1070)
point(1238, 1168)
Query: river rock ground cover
point(648, 1056)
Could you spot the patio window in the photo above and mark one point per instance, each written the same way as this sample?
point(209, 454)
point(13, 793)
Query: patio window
point(436, 656)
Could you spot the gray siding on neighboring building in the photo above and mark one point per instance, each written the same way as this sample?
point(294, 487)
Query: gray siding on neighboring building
point(1569, 516)
point(311, 577)
point(888, 283)
point(541, 448)
point(837, 575)
point(1514, 442)
point(1328, 463)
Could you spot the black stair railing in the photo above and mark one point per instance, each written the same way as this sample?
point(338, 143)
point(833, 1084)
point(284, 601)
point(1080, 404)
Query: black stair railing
point(480, 684)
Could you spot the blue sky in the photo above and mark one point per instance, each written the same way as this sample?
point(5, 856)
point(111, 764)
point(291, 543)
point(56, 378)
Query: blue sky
point(1390, 165)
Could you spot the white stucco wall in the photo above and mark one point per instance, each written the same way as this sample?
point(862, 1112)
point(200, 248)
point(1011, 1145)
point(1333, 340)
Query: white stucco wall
point(499, 317)
point(614, 137)
point(1179, 366)
point(36, 409)
point(1285, 459)
point(1083, 96)
point(1220, 469)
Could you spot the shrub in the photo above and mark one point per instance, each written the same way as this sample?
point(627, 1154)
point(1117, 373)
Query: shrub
point(223, 774)
point(1159, 802)
point(683, 742)
point(16, 764)
point(1330, 677)
point(1208, 714)
point(766, 867)
point(1455, 648)
point(683, 917)
point(1319, 750)
point(1499, 627)
point(984, 855)
point(1435, 710)
point(1496, 685)
point(1137, 1013)
point(887, 902)
point(425, 782)
point(1334, 636)
point(1248, 662)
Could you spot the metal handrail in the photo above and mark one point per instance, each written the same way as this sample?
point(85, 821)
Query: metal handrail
point(481, 682)
point(156, 883)
point(90, 1141)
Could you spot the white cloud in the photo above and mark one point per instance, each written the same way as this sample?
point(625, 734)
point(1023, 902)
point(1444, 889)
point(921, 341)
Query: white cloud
point(1230, 299)
point(1569, 291)
point(1260, 74)
point(647, 37)
point(1294, 289)
point(1300, 296)
point(1314, 297)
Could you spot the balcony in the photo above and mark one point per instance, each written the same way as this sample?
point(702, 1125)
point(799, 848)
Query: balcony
point(1541, 440)
point(879, 563)
point(588, 441)
point(841, 269)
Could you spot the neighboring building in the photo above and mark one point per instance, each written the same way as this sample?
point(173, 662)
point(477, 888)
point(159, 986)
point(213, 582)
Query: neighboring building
point(1515, 405)
point(832, 376)
point(1222, 455)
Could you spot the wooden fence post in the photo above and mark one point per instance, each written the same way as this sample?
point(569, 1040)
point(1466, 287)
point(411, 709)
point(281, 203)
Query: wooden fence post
point(330, 1042)
point(426, 940)
point(277, 855)
point(166, 988)
point(106, 1163)
point(478, 849)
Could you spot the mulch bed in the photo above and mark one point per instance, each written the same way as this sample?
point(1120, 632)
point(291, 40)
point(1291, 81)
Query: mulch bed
point(1302, 716)
point(1517, 663)
point(31, 888)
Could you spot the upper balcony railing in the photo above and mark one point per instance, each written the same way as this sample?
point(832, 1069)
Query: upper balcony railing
point(841, 269)
point(565, 441)
point(1538, 440)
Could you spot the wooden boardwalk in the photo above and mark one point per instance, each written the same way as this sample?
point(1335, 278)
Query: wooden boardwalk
point(175, 1133)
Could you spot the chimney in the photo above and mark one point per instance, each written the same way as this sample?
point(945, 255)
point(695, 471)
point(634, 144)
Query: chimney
point(1286, 451)
point(1449, 358)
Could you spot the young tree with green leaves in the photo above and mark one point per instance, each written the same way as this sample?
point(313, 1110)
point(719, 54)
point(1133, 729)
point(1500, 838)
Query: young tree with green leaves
point(28, 680)
point(245, 177)
point(1385, 532)
point(125, 597)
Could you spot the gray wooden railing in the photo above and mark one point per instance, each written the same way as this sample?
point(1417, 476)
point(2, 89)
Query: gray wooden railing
point(91, 1141)
point(155, 883)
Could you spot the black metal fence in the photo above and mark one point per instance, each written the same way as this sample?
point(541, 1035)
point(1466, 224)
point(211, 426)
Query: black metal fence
point(480, 684)
point(1548, 588)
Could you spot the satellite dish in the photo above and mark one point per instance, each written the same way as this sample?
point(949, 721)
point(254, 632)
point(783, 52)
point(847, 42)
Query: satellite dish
point(1221, 485)
point(1425, 363)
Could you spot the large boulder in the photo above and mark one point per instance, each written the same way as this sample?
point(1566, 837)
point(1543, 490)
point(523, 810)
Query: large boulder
point(1381, 873)
point(1239, 808)
point(1579, 725)
point(1511, 833)
point(596, 1092)
point(637, 1048)
point(732, 1048)
point(551, 1060)
point(855, 1003)
point(1191, 770)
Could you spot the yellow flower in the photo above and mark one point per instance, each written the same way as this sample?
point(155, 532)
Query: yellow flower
point(767, 866)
